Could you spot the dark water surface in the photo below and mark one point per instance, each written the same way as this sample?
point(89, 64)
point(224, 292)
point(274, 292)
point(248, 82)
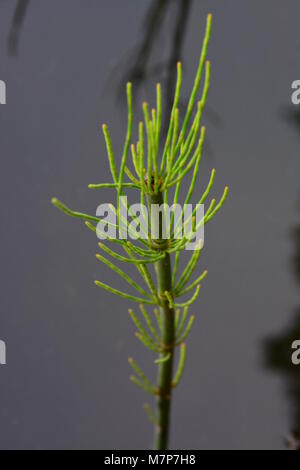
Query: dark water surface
point(66, 383)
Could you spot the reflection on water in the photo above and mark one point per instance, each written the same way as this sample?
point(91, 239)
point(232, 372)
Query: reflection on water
point(154, 24)
point(141, 68)
point(291, 115)
point(278, 358)
point(278, 354)
point(16, 26)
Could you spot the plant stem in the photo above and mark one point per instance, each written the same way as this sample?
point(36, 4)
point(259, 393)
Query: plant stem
point(165, 369)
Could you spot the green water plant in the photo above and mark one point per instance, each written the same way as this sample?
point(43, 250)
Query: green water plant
point(157, 173)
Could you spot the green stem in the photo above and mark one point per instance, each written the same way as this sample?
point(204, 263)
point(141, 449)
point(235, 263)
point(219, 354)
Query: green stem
point(165, 369)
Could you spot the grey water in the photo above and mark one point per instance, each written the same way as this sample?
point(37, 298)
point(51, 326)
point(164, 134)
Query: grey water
point(66, 383)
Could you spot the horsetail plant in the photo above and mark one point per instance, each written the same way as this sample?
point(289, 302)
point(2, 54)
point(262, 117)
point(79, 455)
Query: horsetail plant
point(153, 179)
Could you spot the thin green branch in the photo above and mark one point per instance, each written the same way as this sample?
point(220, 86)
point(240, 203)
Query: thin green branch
point(112, 185)
point(123, 275)
point(187, 330)
point(150, 414)
point(131, 260)
point(148, 344)
point(181, 364)
point(219, 205)
point(110, 153)
point(127, 143)
point(171, 124)
point(142, 385)
point(192, 299)
point(179, 329)
point(197, 79)
point(158, 112)
point(191, 286)
point(141, 374)
point(188, 271)
point(68, 211)
point(142, 330)
point(163, 359)
point(112, 290)
point(149, 323)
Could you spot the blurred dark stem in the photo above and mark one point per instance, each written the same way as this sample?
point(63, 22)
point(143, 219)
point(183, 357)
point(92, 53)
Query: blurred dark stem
point(16, 25)
point(154, 23)
point(278, 352)
point(177, 43)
